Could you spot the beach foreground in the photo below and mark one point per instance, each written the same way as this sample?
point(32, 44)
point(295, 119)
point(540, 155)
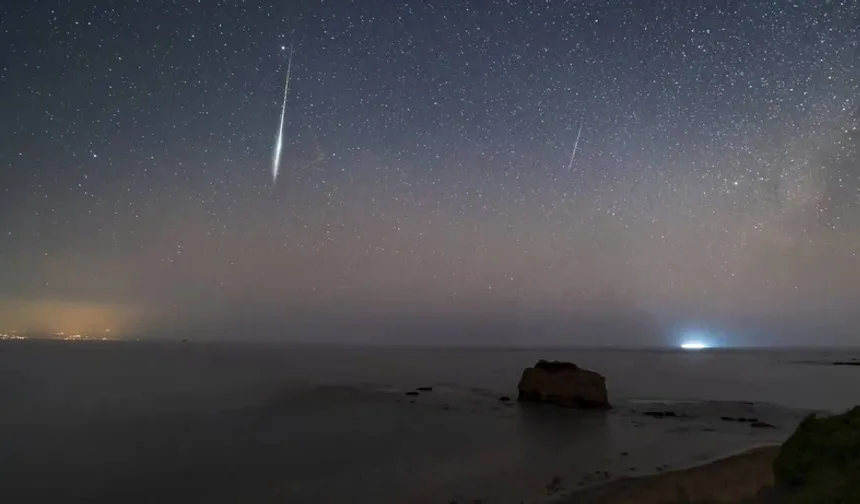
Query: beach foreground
point(817, 464)
point(212, 423)
point(729, 480)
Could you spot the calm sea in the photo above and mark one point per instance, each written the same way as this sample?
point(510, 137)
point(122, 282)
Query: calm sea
point(210, 422)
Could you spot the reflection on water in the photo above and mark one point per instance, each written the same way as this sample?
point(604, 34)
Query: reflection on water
point(549, 427)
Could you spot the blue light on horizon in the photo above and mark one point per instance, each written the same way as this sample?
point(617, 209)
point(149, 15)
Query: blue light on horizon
point(697, 340)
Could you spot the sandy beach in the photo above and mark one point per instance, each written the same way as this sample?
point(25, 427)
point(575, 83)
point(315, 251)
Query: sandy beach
point(729, 480)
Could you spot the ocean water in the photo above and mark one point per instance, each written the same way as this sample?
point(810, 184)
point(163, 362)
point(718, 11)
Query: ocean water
point(223, 423)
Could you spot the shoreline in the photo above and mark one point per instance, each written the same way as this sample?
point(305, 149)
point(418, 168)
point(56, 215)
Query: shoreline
point(730, 478)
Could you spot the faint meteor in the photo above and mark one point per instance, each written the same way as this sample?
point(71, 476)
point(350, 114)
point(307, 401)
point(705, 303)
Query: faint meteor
point(575, 145)
point(279, 142)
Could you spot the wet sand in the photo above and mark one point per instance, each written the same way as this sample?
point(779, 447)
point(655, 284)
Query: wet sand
point(732, 479)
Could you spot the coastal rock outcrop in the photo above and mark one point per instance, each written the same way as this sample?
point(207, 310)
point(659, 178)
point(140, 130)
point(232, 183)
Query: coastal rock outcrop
point(563, 384)
point(820, 462)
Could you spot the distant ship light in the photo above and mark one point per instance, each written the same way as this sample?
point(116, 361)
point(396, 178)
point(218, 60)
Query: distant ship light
point(694, 345)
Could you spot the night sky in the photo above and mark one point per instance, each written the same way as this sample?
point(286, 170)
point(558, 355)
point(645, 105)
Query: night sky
point(426, 188)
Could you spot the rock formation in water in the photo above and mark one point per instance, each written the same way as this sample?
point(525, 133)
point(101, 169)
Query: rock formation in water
point(563, 384)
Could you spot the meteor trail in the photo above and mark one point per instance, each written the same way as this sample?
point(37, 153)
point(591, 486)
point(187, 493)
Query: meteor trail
point(575, 145)
point(279, 142)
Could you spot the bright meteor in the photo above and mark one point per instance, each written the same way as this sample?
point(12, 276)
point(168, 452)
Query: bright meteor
point(575, 145)
point(279, 142)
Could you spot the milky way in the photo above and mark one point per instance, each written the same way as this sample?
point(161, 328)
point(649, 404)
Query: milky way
point(430, 146)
